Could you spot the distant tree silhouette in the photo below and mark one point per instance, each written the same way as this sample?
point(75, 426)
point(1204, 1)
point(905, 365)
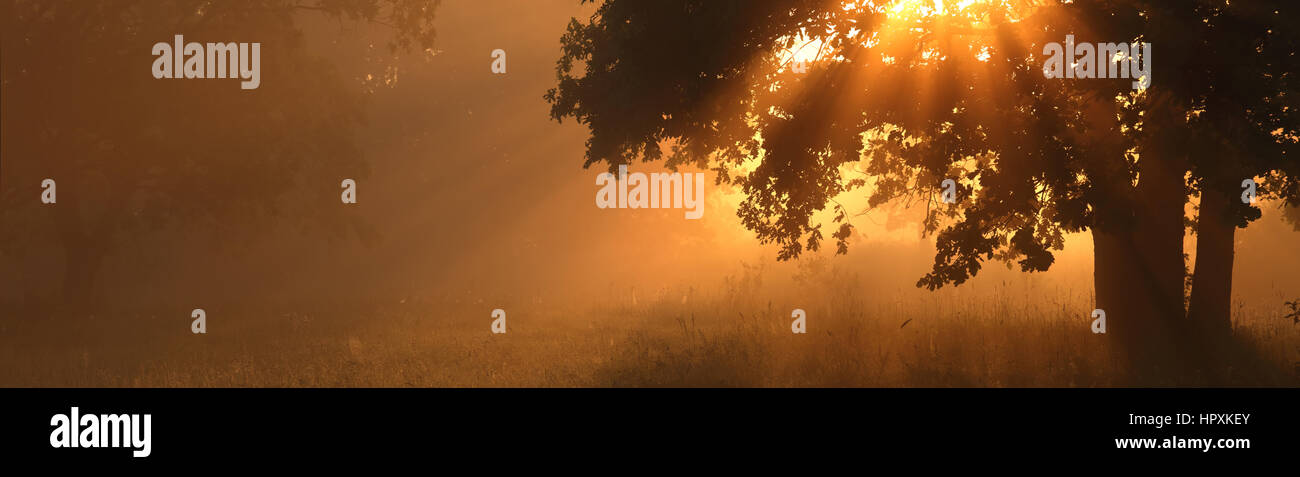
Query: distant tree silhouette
point(132, 153)
point(900, 101)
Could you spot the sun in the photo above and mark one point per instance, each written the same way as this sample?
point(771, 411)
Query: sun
point(915, 8)
point(911, 10)
point(902, 15)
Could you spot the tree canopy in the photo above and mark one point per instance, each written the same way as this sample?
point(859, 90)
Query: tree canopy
point(905, 94)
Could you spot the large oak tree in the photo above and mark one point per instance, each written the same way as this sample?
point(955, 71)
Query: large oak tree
point(903, 95)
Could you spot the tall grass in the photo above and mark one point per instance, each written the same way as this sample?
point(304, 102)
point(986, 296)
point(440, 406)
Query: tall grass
point(736, 333)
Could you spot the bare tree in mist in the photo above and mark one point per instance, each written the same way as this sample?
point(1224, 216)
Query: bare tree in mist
point(133, 154)
point(899, 99)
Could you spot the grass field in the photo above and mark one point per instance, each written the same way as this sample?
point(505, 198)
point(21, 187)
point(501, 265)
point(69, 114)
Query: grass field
point(1007, 335)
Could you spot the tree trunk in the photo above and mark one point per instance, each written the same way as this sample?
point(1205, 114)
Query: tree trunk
point(1158, 230)
point(1209, 310)
point(1139, 270)
point(1137, 315)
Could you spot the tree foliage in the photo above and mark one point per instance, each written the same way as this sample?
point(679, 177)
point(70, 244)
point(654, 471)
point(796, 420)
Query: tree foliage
point(899, 99)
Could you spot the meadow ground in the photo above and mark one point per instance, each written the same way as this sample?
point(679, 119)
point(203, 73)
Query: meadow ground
point(1004, 337)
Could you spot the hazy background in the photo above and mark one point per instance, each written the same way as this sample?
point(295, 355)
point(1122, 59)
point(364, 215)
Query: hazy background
point(475, 197)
